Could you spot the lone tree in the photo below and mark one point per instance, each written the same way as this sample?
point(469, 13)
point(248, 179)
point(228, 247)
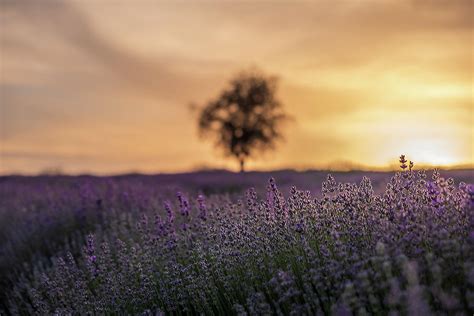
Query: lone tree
point(245, 118)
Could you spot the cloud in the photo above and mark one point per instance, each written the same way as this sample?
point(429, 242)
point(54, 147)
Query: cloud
point(75, 36)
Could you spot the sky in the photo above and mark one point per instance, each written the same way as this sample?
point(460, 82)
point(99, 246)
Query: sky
point(105, 86)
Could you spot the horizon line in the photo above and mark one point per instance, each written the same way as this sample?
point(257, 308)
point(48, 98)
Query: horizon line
point(352, 168)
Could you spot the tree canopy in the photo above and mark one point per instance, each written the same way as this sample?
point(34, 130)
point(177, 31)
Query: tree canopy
point(246, 118)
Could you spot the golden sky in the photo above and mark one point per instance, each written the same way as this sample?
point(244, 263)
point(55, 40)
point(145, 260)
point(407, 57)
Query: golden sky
point(104, 86)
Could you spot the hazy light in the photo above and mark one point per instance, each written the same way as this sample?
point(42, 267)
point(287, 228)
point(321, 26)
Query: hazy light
point(100, 87)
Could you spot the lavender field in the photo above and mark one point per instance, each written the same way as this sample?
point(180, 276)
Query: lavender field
point(148, 157)
point(219, 243)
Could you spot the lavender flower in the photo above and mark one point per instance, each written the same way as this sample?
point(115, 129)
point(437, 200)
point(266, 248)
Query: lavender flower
point(399, 246)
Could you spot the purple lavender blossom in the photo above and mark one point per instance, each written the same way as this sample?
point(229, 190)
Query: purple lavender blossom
point(349, 246)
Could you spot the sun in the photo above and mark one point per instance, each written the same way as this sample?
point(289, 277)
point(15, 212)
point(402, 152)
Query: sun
point(442, 152)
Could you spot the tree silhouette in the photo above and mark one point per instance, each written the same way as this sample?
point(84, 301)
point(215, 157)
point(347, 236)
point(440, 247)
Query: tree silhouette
point(246, 117)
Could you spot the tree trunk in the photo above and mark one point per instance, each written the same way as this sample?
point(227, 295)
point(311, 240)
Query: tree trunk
point(242, 164)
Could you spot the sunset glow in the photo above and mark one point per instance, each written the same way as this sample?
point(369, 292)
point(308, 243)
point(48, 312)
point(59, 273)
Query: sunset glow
point(106, 86)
